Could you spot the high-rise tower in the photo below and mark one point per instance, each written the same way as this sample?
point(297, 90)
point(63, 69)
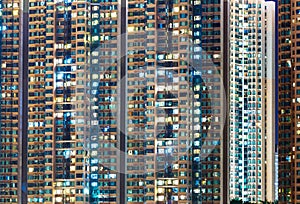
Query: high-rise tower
point(42, 106)
point(252, 100)
point(285, 106)
point(12, 115)
point(114, 102)
point(288, 98)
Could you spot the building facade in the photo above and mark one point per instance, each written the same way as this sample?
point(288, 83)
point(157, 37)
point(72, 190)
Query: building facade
point(252, 100)
point(114, 101)
point(288, 109)
point(10, 72)
point(42, 143)
point(285, 106)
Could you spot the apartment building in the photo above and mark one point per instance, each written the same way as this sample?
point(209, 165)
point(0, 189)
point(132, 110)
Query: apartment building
point(252, 100)
point(114, 101)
